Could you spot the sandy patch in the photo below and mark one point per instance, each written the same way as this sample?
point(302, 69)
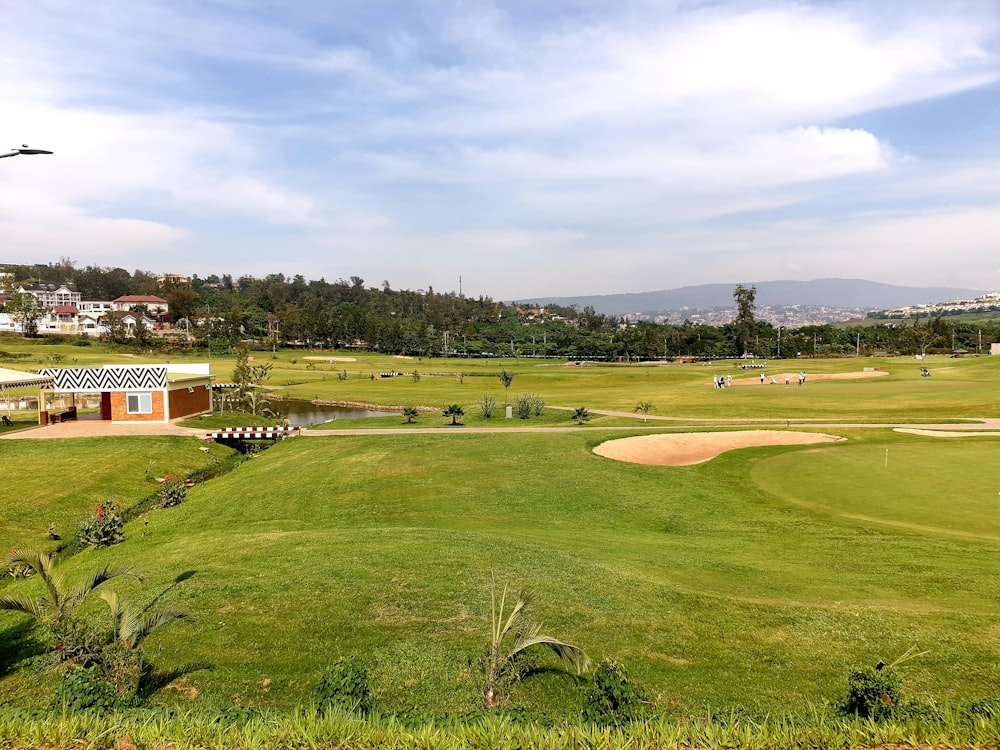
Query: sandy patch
point(333, 360)
point(686, 449)
point(944, 433)
point(793, 377)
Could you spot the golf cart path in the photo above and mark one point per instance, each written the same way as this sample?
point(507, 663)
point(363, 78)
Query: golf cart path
point(95, 428)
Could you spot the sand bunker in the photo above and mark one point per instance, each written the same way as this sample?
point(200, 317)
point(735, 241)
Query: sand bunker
point(686, 449)
point(793, 377)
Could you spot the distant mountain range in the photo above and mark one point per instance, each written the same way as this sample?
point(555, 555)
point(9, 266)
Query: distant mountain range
point(854, 294)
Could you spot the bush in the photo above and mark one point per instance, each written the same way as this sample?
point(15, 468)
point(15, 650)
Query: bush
point(612, 697)
point(487, 406)
point(172, 492)
point(524, 404)
point(103, 528)
point(85, 688)
point(529, 404)
point(344, 685)
point(873, 693)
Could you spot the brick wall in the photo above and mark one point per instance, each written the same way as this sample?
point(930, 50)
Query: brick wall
point(119, 409)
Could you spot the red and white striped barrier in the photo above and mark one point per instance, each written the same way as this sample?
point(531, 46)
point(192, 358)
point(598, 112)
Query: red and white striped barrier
point(252, 433)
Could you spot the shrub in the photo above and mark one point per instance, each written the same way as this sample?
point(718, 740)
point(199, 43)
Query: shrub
point(103, 528)
point(344, 685)
point(612, 697)
point(172, 492)
point(537, 405)
point(872, 693)
point(85, 688)
point(487, 405)
point(524, 405)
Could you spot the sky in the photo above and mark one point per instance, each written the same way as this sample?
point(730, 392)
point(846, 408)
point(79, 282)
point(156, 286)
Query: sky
point(510, 149)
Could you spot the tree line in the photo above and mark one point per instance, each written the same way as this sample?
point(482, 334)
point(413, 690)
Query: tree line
point(222, 313)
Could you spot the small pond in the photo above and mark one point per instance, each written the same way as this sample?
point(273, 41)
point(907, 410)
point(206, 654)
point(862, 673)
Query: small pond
point(306, 413)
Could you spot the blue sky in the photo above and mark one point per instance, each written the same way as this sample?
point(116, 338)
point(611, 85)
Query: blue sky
point(532, 148)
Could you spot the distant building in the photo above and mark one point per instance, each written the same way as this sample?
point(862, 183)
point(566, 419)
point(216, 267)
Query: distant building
point(51, 295)
point(155, 306)
point(173, 278)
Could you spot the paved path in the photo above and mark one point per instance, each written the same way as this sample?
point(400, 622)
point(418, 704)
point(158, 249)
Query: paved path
point(96, 428)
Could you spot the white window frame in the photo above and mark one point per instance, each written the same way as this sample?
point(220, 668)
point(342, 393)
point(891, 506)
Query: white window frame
point(143, 402)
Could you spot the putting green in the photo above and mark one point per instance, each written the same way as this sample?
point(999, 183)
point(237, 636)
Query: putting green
point(929, 486)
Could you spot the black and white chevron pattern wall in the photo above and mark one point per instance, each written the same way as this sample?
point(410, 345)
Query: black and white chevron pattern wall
point(111, 378)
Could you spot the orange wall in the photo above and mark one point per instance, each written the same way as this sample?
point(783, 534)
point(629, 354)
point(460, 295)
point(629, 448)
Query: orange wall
point(119, 409)
point(183, 404)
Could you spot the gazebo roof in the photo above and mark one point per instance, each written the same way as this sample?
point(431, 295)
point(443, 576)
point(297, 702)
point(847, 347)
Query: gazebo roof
point(19, 379)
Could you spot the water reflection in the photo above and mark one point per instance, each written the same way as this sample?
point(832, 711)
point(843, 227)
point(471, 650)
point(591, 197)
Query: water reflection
point(306, 413)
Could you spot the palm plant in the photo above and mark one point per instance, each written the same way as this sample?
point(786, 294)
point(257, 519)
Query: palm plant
point(511, 634)
point(411, 413)
point(506, 378)
point(454, 411)
point(644, 407)
point(581, 415)
point(63, 598)
point(73, 641)
point(131, 624)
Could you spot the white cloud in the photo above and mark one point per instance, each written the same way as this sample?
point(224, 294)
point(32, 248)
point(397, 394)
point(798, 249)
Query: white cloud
point(601, 143)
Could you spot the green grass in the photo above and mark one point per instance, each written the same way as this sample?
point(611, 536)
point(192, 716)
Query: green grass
point(816, 728)
point(59, 481)
point(753, 581)
point(715, 584)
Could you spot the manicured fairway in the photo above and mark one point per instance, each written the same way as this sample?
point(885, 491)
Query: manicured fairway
point(756, 579)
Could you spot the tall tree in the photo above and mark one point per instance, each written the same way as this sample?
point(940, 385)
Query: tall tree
point(745, 323)
point(26, 309)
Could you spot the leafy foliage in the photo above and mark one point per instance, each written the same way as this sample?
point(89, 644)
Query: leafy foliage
point(581, 415)
point(102, 528)
point(529, 404)
point(644, 407)
point(872, 693)
point(506, 378)
point(172, 491)
point(344, 685)
point(454, 411)
point(411, 413)
point(511, 635)
point(487, 406)
point(612, 697)
point(57, 608)
point(86, 689)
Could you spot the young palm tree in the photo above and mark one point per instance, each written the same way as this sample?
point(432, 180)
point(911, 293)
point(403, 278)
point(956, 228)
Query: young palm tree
point(411, 413)
point(131, 625)
point(506, 378)
point(644, 407)
point(454, 411)
point(581, 415)
point(62, 598)
point(55, 611)
point(511, 635)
